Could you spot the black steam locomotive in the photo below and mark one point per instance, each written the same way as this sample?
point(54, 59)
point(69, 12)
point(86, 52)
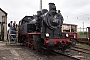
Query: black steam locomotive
point(44, 30)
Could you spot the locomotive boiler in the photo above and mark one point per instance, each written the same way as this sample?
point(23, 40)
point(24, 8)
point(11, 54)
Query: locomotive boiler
point(44, 30)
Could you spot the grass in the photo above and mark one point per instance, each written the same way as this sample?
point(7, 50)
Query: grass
point(85, 46)
point(82, 34)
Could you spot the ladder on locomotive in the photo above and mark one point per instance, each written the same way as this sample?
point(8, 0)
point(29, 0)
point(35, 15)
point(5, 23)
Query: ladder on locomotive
point(12, 38)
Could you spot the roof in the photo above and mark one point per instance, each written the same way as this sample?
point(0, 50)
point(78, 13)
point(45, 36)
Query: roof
point(27, 18)
point(3, 11)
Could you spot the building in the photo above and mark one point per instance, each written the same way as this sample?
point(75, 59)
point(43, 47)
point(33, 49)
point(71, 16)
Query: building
point(3, 25)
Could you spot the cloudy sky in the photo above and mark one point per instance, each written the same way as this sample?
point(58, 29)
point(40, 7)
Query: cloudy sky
point(73, 11)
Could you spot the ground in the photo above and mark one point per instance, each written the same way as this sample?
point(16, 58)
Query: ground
point(15, 52)
point(85, 46)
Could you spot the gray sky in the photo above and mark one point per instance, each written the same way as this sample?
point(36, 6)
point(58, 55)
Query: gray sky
point(73, 11)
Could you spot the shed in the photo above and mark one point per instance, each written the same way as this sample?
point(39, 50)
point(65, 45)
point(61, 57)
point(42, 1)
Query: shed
point(3, 25)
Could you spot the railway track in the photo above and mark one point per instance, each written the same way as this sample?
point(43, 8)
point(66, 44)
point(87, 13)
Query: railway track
point(83, 40)
point(76, 53)
point(67, 55)
point(81, 50)
point(50, 55)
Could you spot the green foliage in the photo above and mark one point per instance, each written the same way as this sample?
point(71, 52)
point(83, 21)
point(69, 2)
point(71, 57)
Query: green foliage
point(82, 33)
point(85, 46)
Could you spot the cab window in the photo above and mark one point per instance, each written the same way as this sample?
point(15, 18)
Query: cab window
point(73, 28)
point(66, 28)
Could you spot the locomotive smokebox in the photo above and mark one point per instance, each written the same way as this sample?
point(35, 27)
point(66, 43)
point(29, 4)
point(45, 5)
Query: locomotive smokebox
point(52, 6)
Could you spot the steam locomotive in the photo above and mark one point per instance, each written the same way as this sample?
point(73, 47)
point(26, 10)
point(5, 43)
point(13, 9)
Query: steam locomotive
point(44, 30)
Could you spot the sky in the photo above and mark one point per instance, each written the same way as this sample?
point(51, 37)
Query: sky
point(73, 11)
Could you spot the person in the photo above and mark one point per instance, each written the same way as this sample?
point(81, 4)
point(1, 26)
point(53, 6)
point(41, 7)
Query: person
point(13, 28)
point(10, 25)
point(16, 30)
point(14, 24)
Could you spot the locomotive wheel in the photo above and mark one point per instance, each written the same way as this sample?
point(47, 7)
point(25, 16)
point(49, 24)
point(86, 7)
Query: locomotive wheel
point(73, 42)
point(63, 49)
point(37, 42)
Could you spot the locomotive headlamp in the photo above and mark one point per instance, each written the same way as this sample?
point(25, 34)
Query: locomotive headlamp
point(58, 11)
point(74, 36)
point(47, 34)
point(88, 38)
point(67, 35)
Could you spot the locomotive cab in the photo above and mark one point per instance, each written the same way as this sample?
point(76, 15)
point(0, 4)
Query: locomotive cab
point(71, 31)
